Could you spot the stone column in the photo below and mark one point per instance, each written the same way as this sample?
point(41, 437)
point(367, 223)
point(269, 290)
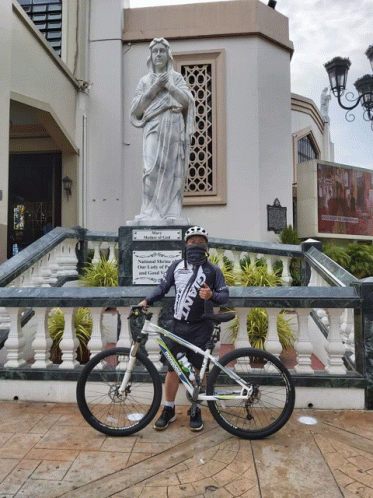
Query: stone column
point(5, 77)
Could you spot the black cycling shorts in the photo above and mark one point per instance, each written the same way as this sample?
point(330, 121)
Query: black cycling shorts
point(197, 334)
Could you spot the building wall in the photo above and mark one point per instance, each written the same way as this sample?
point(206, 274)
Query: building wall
point(257, 93)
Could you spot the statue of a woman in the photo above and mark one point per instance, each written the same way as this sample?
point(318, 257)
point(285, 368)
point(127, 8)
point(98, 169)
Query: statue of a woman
point(164, 106)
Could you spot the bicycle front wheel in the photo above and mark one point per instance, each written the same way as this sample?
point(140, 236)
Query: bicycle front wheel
point(101, 403)
point(268, 400)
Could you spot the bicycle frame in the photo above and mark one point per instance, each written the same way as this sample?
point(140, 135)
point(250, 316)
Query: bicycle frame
point(154, 330)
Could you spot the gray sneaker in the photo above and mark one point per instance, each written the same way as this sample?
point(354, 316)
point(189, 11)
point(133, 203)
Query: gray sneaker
point(167, 416)
point(196, 423)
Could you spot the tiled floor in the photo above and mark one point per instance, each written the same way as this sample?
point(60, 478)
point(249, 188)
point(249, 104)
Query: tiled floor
point(48, 451)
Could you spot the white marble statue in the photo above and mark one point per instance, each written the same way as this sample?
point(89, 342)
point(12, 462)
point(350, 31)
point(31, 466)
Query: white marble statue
point(324, 106)
point(164, 106)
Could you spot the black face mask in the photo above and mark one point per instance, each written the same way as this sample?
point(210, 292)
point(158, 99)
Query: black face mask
point(196, 254)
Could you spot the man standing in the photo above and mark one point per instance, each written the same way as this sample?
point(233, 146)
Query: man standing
point(199, 285)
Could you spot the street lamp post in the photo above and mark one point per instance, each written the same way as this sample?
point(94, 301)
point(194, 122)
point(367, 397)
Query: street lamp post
point(337, 70)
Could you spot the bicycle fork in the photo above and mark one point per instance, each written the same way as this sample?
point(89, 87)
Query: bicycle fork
point(131, 364)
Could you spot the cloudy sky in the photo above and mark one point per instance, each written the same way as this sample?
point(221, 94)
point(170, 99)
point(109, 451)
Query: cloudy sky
point(321, 30)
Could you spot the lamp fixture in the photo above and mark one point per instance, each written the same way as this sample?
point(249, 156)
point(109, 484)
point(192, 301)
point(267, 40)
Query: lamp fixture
point(337, 70)
point(67, 184)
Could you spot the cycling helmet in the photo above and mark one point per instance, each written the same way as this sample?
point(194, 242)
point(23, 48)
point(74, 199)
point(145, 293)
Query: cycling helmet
point(196, 231)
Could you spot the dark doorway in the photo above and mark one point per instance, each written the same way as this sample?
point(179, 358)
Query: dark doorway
point(34, 198)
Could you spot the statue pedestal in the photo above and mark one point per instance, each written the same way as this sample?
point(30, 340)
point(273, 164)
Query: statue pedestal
point(147, 250)
point(159, 223)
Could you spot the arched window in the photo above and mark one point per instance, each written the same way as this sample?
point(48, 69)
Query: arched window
point(306, 149)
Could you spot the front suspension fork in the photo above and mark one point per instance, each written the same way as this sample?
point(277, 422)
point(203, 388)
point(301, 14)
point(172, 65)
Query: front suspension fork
point(131, 363)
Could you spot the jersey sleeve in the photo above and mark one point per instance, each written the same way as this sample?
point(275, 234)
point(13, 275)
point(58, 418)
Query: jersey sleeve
point(220, 293)
point(168, 280)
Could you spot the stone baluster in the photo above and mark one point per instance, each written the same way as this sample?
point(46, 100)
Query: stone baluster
point(69, 342)
point(236, 258)
point(97, 341)
point(67, 259)
point(286, 277)
point(4, 319)
point(253, 256)
point(36, 278)
point(96, 252)
point(272, 343)
point(302, 345)
point(61, 260)
point(347, 329)
point(45, 272)
point(125, 338)
point(269, 262)
point(314, 278)
point(53, 266)
point(16, 342)
point(28, 277)
point(72, 262)
point(152, 346)
point(322, 314)
point(42, 342)
point(111, 256)
point(335, 348)
point(242, 340)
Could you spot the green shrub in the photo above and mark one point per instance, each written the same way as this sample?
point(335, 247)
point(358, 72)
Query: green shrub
point(338, 254)
point(101, 274)
point(289, 235)
point(361, 263)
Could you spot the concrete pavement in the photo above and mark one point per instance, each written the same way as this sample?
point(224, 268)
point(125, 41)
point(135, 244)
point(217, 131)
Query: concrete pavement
point(48, 450)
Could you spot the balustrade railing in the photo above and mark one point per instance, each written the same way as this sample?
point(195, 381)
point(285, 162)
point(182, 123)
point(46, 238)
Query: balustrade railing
point(322, 308)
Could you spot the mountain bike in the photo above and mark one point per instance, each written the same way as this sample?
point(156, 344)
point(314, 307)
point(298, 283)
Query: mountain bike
point(249, 391)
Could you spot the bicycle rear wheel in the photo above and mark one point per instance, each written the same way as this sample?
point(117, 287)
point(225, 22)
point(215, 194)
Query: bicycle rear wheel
point(100, 402)
point(266, 409)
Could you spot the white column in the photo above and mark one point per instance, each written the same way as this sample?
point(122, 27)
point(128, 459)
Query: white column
point(269, 262)
point(302, 345)
point(5, 85)
point(347, 329)
point(286, 277)
point(152, 346)
point(96, 252)
point(96, 343)
point(16, 342)
point(125, 338)
point(111, 257)
point(335, 347)
point(72, 259)
point(53, 266)
point(69, 342)
point(42, 342)
point(272, 343)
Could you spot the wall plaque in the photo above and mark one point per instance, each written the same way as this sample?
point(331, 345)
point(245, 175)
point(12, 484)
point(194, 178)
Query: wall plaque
point(276, 217)
point(148, 267)
point(154, 235)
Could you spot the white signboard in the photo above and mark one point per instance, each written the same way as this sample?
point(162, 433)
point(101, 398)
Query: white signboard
point(148, 267)
point(154, 235)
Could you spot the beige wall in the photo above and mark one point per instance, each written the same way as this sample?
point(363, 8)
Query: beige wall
point(38, 73)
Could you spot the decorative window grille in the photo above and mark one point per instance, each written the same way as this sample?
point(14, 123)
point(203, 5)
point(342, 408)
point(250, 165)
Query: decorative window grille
point(200, 178)
point(204, 72)
point(47, 17)
point(306, 149)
